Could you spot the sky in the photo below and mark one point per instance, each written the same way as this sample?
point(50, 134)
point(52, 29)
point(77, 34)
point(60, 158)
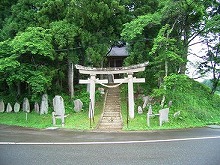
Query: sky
point(193, 61)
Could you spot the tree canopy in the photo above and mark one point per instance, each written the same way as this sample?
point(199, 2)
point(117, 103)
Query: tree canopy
point(40, 40)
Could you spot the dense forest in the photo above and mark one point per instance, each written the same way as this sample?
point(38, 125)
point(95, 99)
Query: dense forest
point(41, 41)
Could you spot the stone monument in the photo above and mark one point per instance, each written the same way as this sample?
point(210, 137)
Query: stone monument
point(78, 105)
point(16, 107)
point(44, 105)
point(2, 106)
point(59, 110)
point(36, 107)
point(26, 105)
point(9, 108)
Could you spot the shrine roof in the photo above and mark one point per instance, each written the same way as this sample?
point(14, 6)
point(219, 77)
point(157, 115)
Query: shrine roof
point(118, 52)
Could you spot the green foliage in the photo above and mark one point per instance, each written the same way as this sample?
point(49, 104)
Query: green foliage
point(34, 41)
point(63, 34)
point(136, 27)
point(7, 60)
point(39, 82)
point(177, 82)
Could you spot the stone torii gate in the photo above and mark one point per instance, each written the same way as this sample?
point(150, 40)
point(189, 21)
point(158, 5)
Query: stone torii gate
point(111, 71)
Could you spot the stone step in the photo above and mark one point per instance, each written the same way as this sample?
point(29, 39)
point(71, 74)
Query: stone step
point(113, 106)
point(112, 114)
point(113, 98)
point(110, 125)
point(112, 101)
point(113, 110)
point(113, 94)
point(118, 109)
point(109, 129)
point(109, 118)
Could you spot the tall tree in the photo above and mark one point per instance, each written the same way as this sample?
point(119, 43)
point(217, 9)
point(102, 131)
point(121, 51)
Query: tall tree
point(188, 17)
point(23, 14)
point(64, 41)
point(100, 23)
point(34, 51)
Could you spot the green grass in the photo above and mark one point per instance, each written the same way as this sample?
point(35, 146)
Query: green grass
point(197, 109)
point(78, 121)
point(74, 120)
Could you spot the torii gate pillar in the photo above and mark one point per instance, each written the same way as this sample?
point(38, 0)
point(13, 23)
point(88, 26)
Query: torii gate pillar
point(92, 95)
point(130, 95)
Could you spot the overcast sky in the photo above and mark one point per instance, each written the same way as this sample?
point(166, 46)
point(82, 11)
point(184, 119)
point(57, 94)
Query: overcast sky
point(197, 49)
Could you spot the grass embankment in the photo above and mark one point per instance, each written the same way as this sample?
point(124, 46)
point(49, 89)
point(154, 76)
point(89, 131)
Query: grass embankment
point(78, 121)
point(197, 108)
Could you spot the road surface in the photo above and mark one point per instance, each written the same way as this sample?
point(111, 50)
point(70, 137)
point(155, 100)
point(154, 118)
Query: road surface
point(20, 146)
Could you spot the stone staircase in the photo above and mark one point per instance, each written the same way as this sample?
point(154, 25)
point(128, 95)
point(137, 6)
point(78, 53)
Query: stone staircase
point(111, 119)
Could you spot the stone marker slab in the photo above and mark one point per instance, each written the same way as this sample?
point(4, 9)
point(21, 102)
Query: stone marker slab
point(146, 100)
point(26, 105)
point(78, 105)
point(9, 108)
point(17, 107)
point(140, 110)
point(44, 105)
point(163, 115)
point(58, 105)
point(2, 106)
point(36, 107)
point(59, 110)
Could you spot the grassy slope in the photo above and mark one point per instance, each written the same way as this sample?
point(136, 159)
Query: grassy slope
point(198, 108)
point(79, 121)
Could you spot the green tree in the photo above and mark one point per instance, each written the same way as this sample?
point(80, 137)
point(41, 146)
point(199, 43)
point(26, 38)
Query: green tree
point(166, 56)
point(35, 54)
point(23, 14)
point(188, 16)
point(100, 24)
point(64, 41)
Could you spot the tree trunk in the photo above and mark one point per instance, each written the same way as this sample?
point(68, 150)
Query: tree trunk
point(18, 88)
point(166, 74)
point(70, 78)
point(215, 84)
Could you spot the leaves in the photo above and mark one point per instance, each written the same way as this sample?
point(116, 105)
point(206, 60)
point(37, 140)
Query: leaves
point(8, 62)
point(35, 41)
point(136, 27)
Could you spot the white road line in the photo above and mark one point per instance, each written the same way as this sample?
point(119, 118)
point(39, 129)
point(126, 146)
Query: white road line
point(98, 143)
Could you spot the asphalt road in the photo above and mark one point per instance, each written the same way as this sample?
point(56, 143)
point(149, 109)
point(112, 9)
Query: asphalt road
point(22, 146)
